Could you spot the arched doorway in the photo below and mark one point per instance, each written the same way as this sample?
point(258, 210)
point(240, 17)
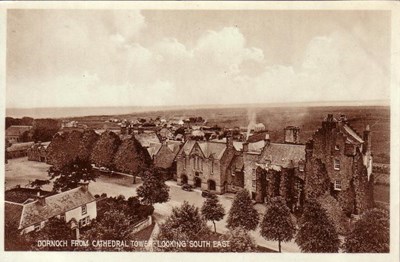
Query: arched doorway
point(184, 179)
point(211, 185)
point(197, 182)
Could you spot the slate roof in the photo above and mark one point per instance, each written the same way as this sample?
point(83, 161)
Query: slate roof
point(146, 138)
point(20, 195)
point(284, 155)
point(207, 147)
point(165, 156)
point(349, 131)
point(12, 214)
point(33, 212)
point(20, 146)
point(17, 130)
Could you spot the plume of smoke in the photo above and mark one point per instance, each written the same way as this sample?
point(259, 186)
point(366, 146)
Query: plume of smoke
point(251, 117)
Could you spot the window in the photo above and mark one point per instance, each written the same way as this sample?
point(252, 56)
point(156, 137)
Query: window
point(84, 221)
point(338, 185)
point(254, 183)
point(337, 148)
point(301, 167)
point(37, 227)
point(84, 210)
point(336, 164)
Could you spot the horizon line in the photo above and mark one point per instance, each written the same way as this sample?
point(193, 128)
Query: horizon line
point(382, 102)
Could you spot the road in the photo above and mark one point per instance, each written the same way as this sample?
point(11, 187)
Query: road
point(21, 171)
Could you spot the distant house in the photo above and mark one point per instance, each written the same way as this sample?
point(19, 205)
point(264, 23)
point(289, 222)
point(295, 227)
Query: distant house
point(17, 150)
point(146, 138)
point(165, 133)
point(28, 210)
point(38, 152)
point(164, 156)
point(14, 134)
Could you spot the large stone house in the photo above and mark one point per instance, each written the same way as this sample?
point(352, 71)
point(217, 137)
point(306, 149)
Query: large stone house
point(339, 163)
point(164, 156)
point(204, 164)
point(26, 212)
point(15, 134)
point(336, 161)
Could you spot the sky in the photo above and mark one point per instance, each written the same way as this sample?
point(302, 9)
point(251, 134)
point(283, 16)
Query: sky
point(85, 58)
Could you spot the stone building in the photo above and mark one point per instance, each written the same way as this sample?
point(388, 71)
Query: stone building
point(339, 162)
point(38, 152)
point(164, 156)
point(336, 161)
point(204, 164)
point(276, 170)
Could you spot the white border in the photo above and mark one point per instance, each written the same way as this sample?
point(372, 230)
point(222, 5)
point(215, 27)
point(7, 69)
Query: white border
point(193, 257)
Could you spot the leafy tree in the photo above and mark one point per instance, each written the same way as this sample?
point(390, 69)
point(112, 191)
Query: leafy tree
point(153, 190)
point(86, 144)
point(317, 233)
point(184, 224)
point(242, 213)
point(113, 224)
point(44, 129)
point(38, 183)
point(70, 175)
point(371, 233)
point(57, 153)
point(239, 241)
point(131, 157)
point(54, 229)
point(212, 210)
point(277, 224)
point(105, 149)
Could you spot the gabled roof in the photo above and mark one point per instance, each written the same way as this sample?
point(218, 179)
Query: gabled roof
point(208, 148)
point(153, 149)
point(17, 130)
point(166, 155)
point(284, 155)
point(349, 131)
point(55, 205)
point(20, 146)
point(146, 138)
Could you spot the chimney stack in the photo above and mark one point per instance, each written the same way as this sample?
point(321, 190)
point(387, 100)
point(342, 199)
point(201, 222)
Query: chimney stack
point(246, 147)
point(41, 200)
point(266, 139)
point(229, 141)
point(292, 135)
point(84, 185)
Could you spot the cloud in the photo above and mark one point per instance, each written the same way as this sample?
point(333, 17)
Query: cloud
point(101, 58)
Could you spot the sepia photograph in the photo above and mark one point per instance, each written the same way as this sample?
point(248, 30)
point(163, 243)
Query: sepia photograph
point(200, 130)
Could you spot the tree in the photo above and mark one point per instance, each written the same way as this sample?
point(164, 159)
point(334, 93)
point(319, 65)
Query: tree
point(131, 157)
point(54, 229)
point(153, 190)
point(212, 210)
point(239, 240)
point(242, 212)
point(38, 183)
point(184, 224)
point(87, 141)
point(57, 153)
point(371, 233)
point(105, 149)
point(44, 129)
point(70, 175)
point(114, 224)
point(317, 233)
point(277, 224)
point(7, 144)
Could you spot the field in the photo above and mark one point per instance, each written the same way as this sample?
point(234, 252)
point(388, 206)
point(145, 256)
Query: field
point(277, 118)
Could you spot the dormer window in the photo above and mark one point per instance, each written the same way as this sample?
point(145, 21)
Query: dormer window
point(337, 148)
point(338, 185)
point(336, 164)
